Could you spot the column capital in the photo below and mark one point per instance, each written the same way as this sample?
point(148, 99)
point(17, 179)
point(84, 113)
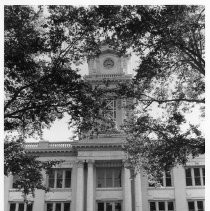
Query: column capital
point(90, 195)
point(126, 164)
point(127, 190)
point(79, 163)
point(90, 162)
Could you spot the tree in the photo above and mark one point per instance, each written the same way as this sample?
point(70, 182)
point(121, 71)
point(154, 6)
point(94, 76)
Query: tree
point(26, 167)
point(169, 41)
point(42, 81)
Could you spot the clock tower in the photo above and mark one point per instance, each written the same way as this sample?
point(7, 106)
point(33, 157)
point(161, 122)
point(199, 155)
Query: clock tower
point(107, 71)
point(109, 62)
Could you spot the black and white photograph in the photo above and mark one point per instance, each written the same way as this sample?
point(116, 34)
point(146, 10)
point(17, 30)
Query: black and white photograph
point(104, 107)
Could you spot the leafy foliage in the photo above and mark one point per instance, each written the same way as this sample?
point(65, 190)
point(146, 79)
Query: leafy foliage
point(42, 81)
point(40, 84)
point(157, 145)
point(169, 42)
point(26, 167)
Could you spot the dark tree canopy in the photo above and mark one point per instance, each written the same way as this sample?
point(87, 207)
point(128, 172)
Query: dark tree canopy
point(169, 42)
point(42, 81)
point(27, 168)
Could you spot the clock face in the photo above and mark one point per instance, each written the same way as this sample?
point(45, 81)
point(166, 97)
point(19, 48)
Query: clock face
point(108, 63)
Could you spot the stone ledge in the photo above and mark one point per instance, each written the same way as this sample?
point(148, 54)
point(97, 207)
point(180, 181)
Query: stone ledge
point(109, 189)
point(161, 188)
point(52, 190)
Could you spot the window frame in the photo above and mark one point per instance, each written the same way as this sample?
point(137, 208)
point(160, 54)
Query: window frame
point(55, 178)
point(166, 202)
point(113, 179)
point(18, 203)
point(112, 202)
point(196, 204)
point(14, 179)
point(58, 202)
point(111, 107)
point(192, 172)
point(163, 182)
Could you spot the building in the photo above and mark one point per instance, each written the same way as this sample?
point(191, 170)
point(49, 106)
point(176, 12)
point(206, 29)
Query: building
point(94, 176)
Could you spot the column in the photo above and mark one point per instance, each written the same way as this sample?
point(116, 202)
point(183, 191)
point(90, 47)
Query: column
point(7, 185)
point(180, 188)
point(127, 189)
point(39, 200)
point(90, 186)
point(80, 186)
point(138, 196)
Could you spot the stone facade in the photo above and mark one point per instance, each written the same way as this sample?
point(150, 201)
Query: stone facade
point(94, 176)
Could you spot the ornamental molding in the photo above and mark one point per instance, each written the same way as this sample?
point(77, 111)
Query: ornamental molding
point(65, 164)
point(98, 142)
point(77, 147)
point(99, 146)
point(90, 162)
point(15, 190)
point(79, 163)
point(53, 190)
point(49, 152)
point(109, 189)
point(126, 164)
point(111, 79)
point(111, 163)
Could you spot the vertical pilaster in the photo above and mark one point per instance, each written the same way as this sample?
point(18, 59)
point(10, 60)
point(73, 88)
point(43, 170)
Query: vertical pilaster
point(90, 193)
point(7, 186)
point(127, 189)
point(80, 186)
point(73, 186)
point(138, 196)
point(180, 185)
point(39, 201)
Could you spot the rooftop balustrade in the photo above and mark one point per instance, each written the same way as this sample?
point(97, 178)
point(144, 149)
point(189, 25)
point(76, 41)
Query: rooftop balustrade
point(48, 145)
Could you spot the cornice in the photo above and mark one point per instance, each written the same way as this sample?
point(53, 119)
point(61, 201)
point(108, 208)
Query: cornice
point(110, 189)
point(60, 190)
point(111, 143)
point(78, 146)
point(111, 77)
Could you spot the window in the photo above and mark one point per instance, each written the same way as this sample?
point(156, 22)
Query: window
point(197, 205)
point(111, 109)
point(195, 176)
point(109, 206)
point(161, 206)
point(203, 171)
point(59, 178)
point(58, 206)
point(166, 180)
point(16, 206)
point(108, 177)
point(15, 178)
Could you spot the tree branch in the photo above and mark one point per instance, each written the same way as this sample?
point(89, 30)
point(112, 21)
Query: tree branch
point(170, 100)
